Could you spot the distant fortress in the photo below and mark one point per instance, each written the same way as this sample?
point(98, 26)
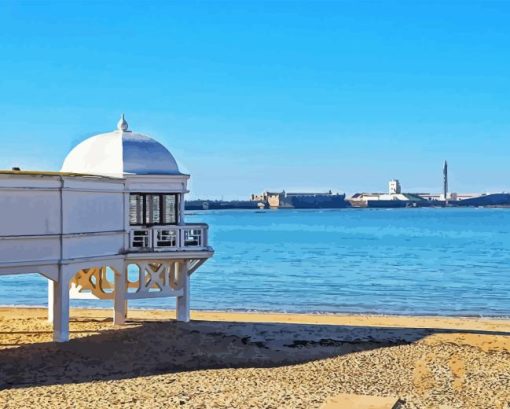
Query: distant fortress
point(286, 200)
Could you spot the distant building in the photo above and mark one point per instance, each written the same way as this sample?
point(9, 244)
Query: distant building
point(394, 198)
point(453, 196)
point(258, 198)
point(270, 198)
point(394, 187)
point(385, 200)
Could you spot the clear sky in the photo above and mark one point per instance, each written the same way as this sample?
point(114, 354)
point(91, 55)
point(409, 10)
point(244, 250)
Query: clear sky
point(267, 95)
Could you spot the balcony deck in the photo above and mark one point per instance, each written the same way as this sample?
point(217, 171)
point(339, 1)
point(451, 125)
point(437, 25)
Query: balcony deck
point(177, 238)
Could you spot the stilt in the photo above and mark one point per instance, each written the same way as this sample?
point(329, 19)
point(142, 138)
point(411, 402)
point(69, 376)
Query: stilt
point(183, 302)
point(51, 284)
point(60, 309)
point(120, 302)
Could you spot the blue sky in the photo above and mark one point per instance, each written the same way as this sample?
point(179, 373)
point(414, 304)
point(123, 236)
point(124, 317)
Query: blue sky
point(266, 95)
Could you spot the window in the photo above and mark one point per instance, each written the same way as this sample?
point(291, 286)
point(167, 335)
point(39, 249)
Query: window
point(135, 209)
point(153, 214)
point(153, 209)
point(169, 209)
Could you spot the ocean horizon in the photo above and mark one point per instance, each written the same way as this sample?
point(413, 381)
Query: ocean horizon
point(452, 262)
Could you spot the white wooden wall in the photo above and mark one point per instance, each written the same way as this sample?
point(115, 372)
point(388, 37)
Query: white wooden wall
point(35, 210)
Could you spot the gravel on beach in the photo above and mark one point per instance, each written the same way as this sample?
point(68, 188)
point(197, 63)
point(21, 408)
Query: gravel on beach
point(234, 360)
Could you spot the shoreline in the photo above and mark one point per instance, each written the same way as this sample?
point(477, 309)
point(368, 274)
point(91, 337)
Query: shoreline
point(283, 313)
point(356, 320)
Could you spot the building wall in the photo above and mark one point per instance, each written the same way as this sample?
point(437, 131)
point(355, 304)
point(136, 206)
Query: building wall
point(29, 206)
point(47, 218)
point(273, 200)
point(96, 206)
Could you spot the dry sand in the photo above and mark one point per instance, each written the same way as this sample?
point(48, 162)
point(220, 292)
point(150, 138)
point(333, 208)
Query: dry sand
point(234, 360)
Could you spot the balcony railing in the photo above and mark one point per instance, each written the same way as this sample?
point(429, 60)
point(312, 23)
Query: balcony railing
point(169, 238)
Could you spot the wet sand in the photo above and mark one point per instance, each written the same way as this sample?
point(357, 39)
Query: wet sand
point(242, 360)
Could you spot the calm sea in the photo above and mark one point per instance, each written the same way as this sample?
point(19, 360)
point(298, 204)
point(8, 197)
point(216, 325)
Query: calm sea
point(391, 261)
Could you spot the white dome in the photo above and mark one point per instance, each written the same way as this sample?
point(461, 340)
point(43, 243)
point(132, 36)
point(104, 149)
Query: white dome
point(119, 153)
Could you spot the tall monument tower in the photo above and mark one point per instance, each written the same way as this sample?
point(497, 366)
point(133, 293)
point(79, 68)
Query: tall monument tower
point(445, 182)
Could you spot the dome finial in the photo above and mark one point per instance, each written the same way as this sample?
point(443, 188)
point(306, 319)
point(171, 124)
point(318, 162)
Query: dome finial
point(122, 125)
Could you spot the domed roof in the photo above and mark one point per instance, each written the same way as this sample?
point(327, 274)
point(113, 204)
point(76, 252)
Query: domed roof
point(119, 153)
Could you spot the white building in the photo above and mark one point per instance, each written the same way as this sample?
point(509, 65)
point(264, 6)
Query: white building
point(117, 204)
point(394, 187)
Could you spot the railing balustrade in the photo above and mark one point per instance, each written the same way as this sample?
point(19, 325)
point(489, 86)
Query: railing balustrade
point(168, 238)
point(140, 238)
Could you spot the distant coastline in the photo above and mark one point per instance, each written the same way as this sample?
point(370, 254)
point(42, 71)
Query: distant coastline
point(394, 198)
point(339, 201)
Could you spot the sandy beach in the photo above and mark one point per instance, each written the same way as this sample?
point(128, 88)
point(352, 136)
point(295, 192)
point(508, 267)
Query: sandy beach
point(245, 360)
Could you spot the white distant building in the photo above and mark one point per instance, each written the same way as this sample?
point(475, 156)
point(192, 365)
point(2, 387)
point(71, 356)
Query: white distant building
point(394, 187)
point(116, 205)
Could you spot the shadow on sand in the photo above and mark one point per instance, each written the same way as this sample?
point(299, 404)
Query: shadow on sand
point(150, 348)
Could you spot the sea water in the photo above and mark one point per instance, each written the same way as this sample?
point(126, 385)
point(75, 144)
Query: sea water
point(390, 261)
